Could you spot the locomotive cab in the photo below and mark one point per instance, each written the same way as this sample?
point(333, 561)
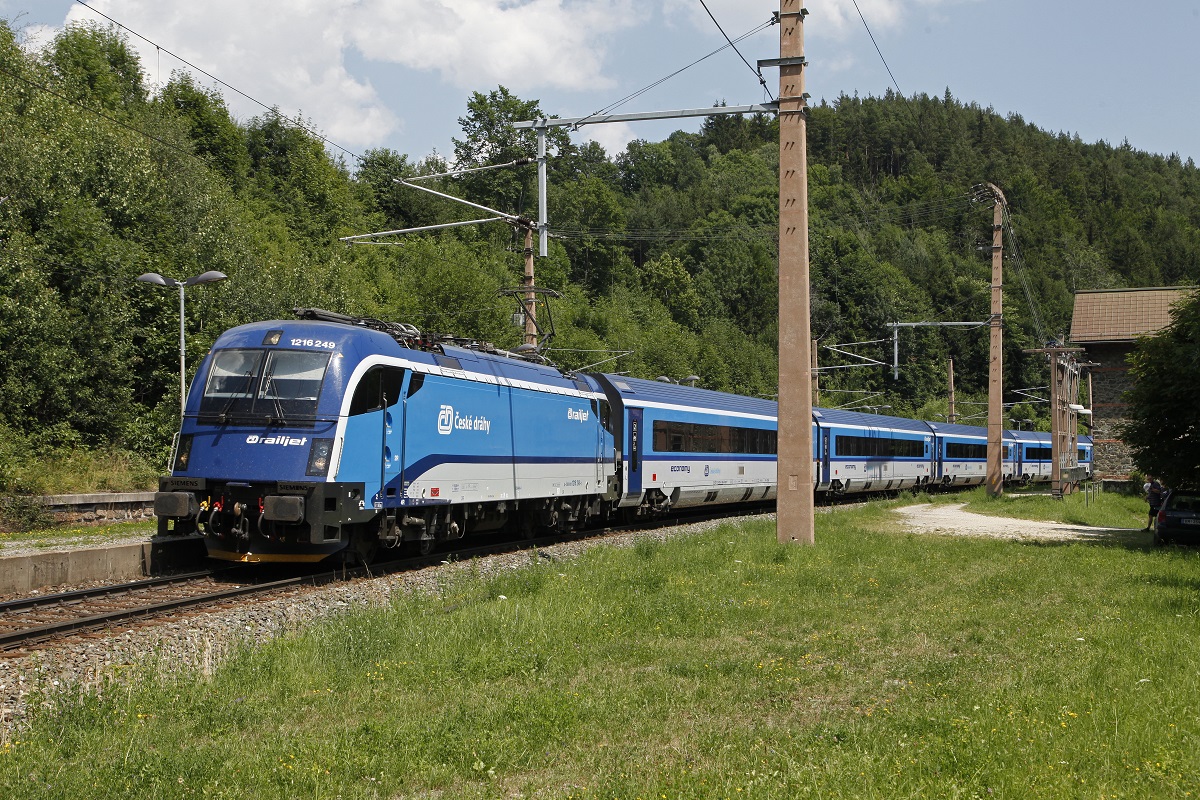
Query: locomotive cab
point(252, 463)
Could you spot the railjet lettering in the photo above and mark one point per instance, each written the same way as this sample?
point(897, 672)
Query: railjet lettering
point(278, 441)
point(450, 420)
point(580, 414)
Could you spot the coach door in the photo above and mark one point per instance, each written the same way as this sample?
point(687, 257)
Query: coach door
point(635, 452)
point(826, 470)
point(873, 462)
point(602, 420)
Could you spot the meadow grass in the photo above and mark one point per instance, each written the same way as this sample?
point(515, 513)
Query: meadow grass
point(60, 536)
point(721, 665)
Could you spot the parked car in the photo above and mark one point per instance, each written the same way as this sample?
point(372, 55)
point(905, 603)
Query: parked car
point(1179, 518)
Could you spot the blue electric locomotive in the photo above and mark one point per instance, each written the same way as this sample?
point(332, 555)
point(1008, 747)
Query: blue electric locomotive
point(332, 434)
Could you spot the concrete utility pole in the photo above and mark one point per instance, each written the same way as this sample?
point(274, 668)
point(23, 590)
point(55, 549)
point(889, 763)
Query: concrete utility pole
point(816, 392)
point(1064, 419)
point(794, 506)
point(995, 418)
point(950, 415)
point(531, 331)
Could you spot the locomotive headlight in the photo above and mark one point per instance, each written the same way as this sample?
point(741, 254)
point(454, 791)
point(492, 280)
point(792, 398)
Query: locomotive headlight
point(183, 453)
point(318, 457)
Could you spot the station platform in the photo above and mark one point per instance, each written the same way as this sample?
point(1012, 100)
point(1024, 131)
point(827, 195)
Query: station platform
point(73, 566)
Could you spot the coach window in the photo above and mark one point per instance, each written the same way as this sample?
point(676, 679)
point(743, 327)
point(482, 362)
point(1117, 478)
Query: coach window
point(378, 385)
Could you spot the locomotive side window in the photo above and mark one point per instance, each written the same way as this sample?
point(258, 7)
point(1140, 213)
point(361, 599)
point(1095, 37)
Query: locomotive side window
point(378, 384)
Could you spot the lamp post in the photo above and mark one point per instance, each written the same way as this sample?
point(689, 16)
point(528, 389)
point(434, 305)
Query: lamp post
point(212, 276)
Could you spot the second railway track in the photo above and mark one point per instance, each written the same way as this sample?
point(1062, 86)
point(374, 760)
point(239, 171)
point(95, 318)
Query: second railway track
point(38, 620)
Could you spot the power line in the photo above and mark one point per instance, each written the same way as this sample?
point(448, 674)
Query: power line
point(618, 103)
point(756, 71)
point(877, 50)
point(270, 109)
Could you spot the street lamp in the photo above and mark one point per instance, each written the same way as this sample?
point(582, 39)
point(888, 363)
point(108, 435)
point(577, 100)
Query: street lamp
point(212, 276)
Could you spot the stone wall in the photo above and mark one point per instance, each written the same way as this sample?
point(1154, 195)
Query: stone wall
point(1110, 381)
point(70, 509)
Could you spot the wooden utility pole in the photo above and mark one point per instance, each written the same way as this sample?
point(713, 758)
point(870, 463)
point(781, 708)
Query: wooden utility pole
point(794, 506)
point(995, 418)
point(950, 415)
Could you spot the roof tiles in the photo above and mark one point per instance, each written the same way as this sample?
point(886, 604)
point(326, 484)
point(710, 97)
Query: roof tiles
point(1121, 315)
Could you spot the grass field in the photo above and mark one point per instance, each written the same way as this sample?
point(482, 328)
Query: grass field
point(723, 665)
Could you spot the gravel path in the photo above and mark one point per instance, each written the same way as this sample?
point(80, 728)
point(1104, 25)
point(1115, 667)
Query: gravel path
point(201, 640)
point(953, 520)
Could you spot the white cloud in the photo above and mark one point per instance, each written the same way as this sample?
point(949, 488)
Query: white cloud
point(294, 55)
point(835, 19)
point(612, 136)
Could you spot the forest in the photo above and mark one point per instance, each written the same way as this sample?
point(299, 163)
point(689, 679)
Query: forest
point(665, 254)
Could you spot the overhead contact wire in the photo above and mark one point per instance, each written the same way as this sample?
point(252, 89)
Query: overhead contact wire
point(757, 72)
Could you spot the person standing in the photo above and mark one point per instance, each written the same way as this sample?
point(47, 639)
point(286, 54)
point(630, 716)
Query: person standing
point(1154, 497)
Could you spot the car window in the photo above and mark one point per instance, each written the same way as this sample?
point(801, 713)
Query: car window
point(1184, 502)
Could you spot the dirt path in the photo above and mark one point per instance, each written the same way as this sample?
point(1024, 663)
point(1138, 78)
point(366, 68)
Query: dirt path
point(953, 520)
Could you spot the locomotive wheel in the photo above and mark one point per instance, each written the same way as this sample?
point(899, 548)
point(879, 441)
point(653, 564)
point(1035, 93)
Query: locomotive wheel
point(364, 544)
point(528, 527)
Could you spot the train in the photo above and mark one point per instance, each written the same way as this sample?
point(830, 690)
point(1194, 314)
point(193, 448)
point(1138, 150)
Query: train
point(333, 435)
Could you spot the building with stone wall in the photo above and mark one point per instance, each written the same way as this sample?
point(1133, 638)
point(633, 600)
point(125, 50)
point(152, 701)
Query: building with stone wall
point(1107, 323)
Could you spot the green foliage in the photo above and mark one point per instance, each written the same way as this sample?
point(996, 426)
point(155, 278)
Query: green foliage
point(667, 248)
point(489, 138)
point(95, 66)
point(1164, 419)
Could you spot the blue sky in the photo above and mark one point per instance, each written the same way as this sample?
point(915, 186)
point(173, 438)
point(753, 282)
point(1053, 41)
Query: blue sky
point(397, 73)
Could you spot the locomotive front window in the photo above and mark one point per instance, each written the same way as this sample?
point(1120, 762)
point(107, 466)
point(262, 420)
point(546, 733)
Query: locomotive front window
point(256, 386)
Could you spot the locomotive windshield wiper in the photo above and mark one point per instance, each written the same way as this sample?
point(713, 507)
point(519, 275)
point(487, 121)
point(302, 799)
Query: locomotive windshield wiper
point(223, 417)
point(267, 383)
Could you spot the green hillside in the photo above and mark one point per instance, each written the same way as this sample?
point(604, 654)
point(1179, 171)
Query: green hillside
point(667, 249)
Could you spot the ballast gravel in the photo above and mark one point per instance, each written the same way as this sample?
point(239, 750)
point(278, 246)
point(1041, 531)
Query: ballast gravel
point(201, 640)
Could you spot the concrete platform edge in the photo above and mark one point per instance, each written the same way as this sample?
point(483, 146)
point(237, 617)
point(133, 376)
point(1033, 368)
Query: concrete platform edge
point(19, 574)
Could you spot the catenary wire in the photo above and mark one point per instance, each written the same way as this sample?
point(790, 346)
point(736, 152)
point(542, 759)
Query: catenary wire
point(757, 72)
point(877, 50)
point(618, 103)
point(98, 113)
point(209, 75)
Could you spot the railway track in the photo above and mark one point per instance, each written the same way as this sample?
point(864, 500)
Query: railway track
point(37, 620)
